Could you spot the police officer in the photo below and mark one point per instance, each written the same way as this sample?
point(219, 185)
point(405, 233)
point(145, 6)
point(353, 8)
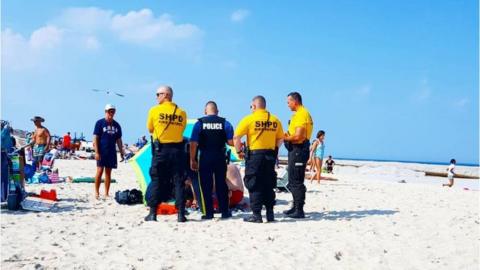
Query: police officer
point(264, 135)
point(209, 136)
point(297, 142)
point(166, 123)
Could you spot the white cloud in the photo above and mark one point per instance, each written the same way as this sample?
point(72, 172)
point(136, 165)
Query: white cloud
point(19, 52)
point(47, 37)
point(85, 20)
point(239, 15)
point(142, 27)
point(85, 27)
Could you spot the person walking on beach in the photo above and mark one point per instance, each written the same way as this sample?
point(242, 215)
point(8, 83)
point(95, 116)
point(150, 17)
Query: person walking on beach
point(297, 142)
point(166, 123)
point(317, 150)
point(264, 136)
point(40, 140)
point(209, 135)
point(450, 173)
point(107, 134)
point(330, 162)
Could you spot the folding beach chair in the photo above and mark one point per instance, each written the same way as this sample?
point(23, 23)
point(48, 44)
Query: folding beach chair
point(47, 162)
point(282, 179)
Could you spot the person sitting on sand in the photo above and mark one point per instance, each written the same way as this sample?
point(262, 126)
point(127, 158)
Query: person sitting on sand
point(317, 151)
point(450, 173)
point(235, 184)
point(329, 163)
point(40, 140)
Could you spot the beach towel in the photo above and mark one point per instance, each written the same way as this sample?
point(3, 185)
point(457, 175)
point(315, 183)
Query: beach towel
point(37, 204)
point(89, 180)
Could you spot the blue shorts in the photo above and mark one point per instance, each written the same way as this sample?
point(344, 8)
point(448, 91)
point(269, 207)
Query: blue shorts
point(107, 161)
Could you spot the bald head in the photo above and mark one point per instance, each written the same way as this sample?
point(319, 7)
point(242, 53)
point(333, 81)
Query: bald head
point(259, 102)
point(164, 93)
point(211, 108)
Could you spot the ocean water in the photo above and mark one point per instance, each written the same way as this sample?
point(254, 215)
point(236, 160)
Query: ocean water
point(411, 161)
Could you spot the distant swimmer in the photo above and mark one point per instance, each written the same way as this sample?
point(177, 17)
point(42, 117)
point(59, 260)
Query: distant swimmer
point(297, 142)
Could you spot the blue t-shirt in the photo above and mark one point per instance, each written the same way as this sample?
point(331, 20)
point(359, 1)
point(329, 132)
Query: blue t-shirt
point(108, 134)
point(198, 127)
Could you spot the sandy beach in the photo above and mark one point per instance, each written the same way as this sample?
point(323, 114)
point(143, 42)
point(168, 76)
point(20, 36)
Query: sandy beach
point(365, 220)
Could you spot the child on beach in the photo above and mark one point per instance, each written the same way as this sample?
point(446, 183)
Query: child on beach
point(316, 152)
point(330, 164)
point(450, 173)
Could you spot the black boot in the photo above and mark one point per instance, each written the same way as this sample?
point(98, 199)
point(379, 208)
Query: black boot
point(290, 211)
point(298, 213)
point(206, 217)
point(270, 215)
point(226, 215)
point(181, 216)
point(254, 218)
point(152, 216)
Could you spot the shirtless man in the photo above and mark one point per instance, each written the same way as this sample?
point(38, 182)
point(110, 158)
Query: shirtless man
point(40, 141)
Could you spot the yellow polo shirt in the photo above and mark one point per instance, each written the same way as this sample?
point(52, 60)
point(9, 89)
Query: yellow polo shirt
point(254, 123)
point(301, 118)
point(158, 118)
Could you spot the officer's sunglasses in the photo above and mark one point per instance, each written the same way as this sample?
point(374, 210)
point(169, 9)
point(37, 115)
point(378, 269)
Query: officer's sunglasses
point(161, 94)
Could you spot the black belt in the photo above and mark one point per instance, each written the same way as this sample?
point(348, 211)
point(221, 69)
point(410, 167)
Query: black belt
point(261, 151)
point(299, 145)
point(160, 145)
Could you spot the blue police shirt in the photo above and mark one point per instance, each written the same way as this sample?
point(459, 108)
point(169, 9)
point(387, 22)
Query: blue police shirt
point(108, 134)
point(198, 127)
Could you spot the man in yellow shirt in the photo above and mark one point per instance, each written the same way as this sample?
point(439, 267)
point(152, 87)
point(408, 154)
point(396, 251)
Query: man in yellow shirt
point(264, 135)
point(297, 142)
point(166, 122)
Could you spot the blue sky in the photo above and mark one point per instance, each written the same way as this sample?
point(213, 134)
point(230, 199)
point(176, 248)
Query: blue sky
point(385, 80)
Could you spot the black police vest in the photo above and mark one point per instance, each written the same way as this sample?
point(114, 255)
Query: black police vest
point(212, 134)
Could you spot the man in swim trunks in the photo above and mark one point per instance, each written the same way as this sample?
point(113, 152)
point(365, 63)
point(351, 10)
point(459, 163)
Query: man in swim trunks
point(40, 141)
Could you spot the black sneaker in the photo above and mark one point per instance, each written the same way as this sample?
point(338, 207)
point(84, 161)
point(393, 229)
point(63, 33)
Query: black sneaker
point(151, 217)
point(289, 211)
point(253, 219)
point(270, 216)
point(181, 218)
point(205, 217)
point(226, 215)
point(298, 213)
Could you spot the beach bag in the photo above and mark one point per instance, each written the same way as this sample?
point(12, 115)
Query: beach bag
point(29, 171)
point(43, 178)
point(135, 196)
point(129, 197)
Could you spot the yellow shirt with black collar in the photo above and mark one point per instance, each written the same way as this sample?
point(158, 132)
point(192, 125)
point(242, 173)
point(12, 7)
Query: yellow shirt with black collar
point(301, 118)
point(159, 118)
point(253, 124)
